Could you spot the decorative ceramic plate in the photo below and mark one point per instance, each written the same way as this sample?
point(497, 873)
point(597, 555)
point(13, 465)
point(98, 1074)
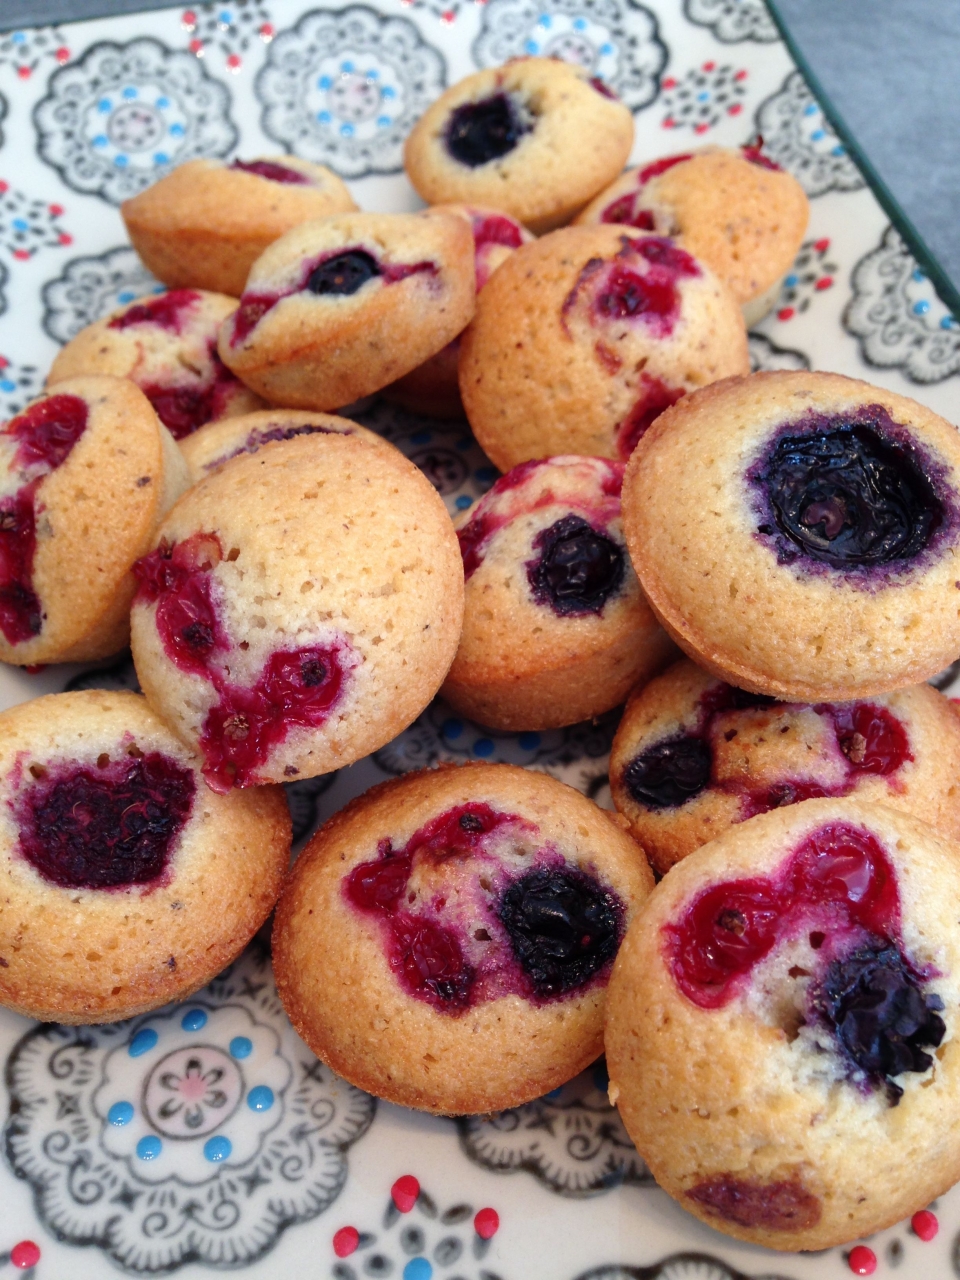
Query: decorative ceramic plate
point(206, 1136)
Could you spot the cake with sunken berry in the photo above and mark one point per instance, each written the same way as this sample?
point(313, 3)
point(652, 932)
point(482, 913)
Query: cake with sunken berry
point(87, 472)
point(340, 306)
point(781, 1031)
point(126, 882)
point(204, 225)
point(583, 338)
point(798, 534)
point(218, 442)
point(734, 209)
point(536, 138)
point(555, 626)
point(433, 387)
point(166, 344)
point(694, 756)
point(445, 941)
point(301, 608)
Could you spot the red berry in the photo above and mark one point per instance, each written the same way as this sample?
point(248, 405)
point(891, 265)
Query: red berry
point(404, 1192)
point(862, 1261)
point(25, 1254)
point(345, 1241)
point(925, 1224)
point(486, 1223)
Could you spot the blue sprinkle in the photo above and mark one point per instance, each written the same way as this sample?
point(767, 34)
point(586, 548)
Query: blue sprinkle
point(19, 37)
point(324, 117)
point(241, 1047)
point(193, 1020)
point(483, 747)
point(104, 105)
point(373, 74)
point(120, 1113)
point(225, 16)
point(810, 110)
point(486, 475)
point(324, 82)
point(260, 1098)
point(529, 741)
point(948, 322)
point(579, 24)
point(130, 91)
point(384, 122)
point(347, 67)
point(7, 385)
point(818, 135)
point(918, 275)
point(162, 103)
point(149, 1148)
point(703, 97)
point(127, 296)
point(606, 49)
point(601, 1077)
point(346, 130)
point(100, 140)
point(422, 437)
point(921, 308)
point(417, 1269)
point(791, 280)
point(120, 161)
point(161, 157)
point(451, 728)
point(839, 150)
point(177, 131)
point(531, 46)
point(20, 225)
point(388, 92)
point(463, 502)
point(464, 443)
point(544, 20)
point(217, 1148)
point(145, 1039)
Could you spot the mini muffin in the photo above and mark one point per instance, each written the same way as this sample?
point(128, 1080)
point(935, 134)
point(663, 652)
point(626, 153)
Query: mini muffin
point(167, 345)
point(737, 211)
point(782, 1025)
point(340, 306)
point(798, 534)
point(301, 609)
point(87, 472)
point(536, 137)
point(694, 756)
point(204, 225)
point(445, 941)
point(582, 339)
point(433, 388)
point(218, 442)
point(126, 882)
point(555, 626)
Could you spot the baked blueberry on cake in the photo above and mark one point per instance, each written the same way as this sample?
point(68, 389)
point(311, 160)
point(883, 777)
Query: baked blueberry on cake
point(205, 224)
point(781, 1029)
point(301, 607)
point(87, 473)
point(433, 388)
point(536, 138)
point(798, 534)
point(583, 338)
point(694, 756)
point(735, 210)
point(126, 882)
point(555, 627)
point(445, 941)
point(340, 306)
point(167, 344)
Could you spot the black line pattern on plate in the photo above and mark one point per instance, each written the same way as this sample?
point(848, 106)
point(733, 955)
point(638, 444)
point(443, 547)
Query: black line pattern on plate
point(733, 20)
point(798, 136)
point(765, 355)
point(679, 1266)
point(89, 288)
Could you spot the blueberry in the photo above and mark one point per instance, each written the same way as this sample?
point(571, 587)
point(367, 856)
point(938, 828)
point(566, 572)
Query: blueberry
point(563, 927)
point(847, 497)
point(483, 131)
point(669, 773)
point(880, 1016)
point(578, 569)
point(343, 274)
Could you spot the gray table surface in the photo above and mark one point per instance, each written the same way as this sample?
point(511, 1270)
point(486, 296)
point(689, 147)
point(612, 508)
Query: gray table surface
point(887, 73)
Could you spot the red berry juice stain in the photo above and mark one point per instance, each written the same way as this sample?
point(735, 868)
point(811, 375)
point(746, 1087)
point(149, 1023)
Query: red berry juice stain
point(169, 311)
point(640, 284)
point(271, 170)
point(925, 1225)
point(297, 688)
point(776, 1206)
point(45, 434)
point(754, 153)
point(489, 231)
point(656, 167)
point(24, 1255)
point(862, 1260)
point(405, 1192)
point(655, 397)
point(346, 1241)
point(486, 1223)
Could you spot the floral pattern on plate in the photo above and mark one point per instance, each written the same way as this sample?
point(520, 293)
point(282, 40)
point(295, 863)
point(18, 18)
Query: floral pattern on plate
point(898, 317)
point(118, 119)
point(194, 1134)
point(733, 20)
point(344, 88)
point(681, 1266)
point(91, 287)
point(617, 42)
point(227, 29)
point(765, 355)
point(19, 383)
point(704, 96)
point(25, 50)
point(801, 139)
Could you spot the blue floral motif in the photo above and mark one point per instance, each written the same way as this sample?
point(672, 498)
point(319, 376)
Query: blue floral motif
point(345, 87)
point(194, 1134)
point(615, 40)
point(798, 136)
point(89, 288)
point(122, 116)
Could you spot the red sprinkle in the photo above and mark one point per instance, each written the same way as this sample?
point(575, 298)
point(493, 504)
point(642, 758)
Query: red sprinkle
point(404, 1192)
point(62, 54)
point(345, 1241)
point(487, 1223)
point(785, 313)
point(821, 246)
point(825, 282)
point(925, 1224)
point(862, 1261)
point(25, 1254)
